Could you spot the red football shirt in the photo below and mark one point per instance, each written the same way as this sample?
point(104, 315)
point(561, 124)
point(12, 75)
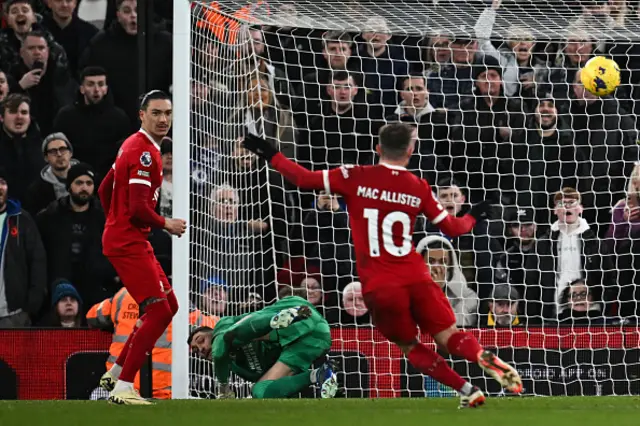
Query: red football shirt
point(383, 202)
point(138, 163)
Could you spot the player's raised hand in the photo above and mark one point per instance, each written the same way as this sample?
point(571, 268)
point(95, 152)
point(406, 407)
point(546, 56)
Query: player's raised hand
point(259, 146)
point(176, 226)
point(481, 211)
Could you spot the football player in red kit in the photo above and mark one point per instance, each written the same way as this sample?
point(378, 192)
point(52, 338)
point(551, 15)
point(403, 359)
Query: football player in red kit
point(129, 194)
point(383, 202)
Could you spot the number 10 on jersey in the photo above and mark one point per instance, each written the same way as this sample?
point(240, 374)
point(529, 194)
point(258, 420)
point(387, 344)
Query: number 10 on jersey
point(375, 228)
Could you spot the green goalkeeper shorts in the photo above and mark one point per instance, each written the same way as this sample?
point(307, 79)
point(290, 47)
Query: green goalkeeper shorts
point(308, 347)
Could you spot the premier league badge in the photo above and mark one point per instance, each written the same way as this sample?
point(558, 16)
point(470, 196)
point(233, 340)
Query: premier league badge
point(145, 159)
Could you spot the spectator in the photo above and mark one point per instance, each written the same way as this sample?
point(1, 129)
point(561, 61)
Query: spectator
point(547, 159)
point(4, 86)
point(289, 47)
point(381, 64)
point(253, 60)
point(315, 295)
point(336, 56)
point(475, 248)
point(264, 116)
point(66, 311)
point(571, 250)
point(47, 82)
point(354, 311)
point(71, 32)
point(71, 230)
point(431, 123)
point(328, 238)
point(439, 255)
point(23, 263)
point(231, 251)
point(20, 145)
point(521, 72)
point(214, 295)
point(454, 79)
point(436, 54)
point(607, 137)
point(502, 308)
point(521, 238)
point(115, 49)
point(489, 122)
point(344, 134)
point(93, 124)
point(52, 185)
point(577, 305)
point(621, 239)
point(572, 56)
point(22, 20)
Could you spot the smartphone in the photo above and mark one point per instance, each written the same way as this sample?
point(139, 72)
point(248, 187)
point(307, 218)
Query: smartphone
point(38, 65)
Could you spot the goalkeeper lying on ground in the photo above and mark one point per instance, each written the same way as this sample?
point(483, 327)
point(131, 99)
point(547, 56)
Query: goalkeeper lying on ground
point(273, 348)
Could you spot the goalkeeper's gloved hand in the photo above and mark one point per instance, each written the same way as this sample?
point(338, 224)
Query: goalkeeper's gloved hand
point(481, 211)
point(259, 146)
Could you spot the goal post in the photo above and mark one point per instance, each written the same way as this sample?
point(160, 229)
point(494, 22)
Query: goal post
point(494, 91)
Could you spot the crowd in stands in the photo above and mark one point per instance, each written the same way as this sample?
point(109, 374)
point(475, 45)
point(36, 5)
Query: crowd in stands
point(505, 119)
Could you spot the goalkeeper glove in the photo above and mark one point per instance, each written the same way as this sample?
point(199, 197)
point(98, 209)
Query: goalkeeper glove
point(259, 146)
point(481, 211)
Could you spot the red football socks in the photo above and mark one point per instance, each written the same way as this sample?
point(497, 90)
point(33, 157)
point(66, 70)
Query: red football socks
point(156, 320)
point(464, 345)
point(432, 364)
point(122, 357)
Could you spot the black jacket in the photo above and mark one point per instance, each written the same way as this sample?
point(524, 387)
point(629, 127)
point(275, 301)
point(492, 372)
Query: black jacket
point(117, 52)
point(25, 261)
point(74, 38)
point(541, 266)
point(93, 275)
point(95, 131)
point(55, 90)
point(22, 158)
point(482, 157)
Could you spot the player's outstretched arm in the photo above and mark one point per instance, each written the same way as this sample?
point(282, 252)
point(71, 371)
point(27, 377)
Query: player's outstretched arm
point(106, 191)
point(293, 172)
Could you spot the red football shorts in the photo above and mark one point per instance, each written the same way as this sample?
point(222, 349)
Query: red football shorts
point(398, 310)
point(142, 275)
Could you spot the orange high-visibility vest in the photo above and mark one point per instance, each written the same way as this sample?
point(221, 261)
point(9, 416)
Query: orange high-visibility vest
point(224, 27)
point(121, 313)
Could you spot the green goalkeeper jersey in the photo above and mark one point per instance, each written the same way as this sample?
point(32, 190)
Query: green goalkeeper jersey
point(250, 358)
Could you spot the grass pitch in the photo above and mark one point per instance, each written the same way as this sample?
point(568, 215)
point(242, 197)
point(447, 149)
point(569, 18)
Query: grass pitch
point(572, 411)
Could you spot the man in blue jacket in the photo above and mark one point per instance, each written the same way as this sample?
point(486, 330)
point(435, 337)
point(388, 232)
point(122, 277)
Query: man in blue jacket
point(23, 263)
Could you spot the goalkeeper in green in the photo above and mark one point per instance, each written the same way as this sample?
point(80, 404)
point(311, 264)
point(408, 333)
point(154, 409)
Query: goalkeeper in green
point(274, 348)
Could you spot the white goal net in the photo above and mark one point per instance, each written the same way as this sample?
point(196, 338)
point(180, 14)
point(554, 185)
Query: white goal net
point(549, 282)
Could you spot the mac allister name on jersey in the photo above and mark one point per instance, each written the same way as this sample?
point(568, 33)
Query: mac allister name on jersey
point(391, 197)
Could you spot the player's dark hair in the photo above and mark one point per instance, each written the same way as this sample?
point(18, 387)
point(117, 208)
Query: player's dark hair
point(196, 331)
point(13, 101)
point(92, 71)
point(394, 139)
point(9, 3)
point(287, 290)
point(152, 96)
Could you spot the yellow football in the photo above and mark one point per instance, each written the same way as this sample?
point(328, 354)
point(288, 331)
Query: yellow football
point(600, 76)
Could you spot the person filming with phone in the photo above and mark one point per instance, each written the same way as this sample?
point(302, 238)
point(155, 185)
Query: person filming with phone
point(49, 85)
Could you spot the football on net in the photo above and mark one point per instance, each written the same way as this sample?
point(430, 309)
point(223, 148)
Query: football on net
point(600, 76)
